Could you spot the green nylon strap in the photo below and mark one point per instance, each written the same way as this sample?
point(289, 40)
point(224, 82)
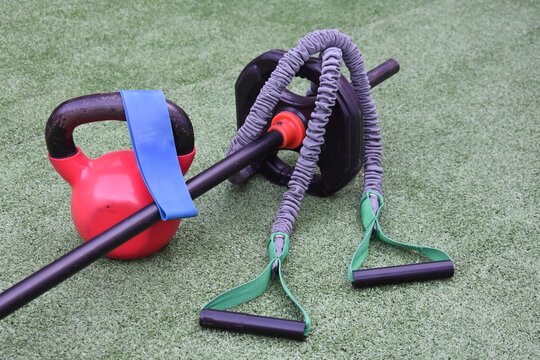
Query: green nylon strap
point(370, 220)
point(256, 287)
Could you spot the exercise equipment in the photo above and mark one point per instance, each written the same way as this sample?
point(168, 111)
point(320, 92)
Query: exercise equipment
point(334, 115)
point(325, 126)
point(341, 159)
point(100, 107)
point(60, 144)
point(108, 189)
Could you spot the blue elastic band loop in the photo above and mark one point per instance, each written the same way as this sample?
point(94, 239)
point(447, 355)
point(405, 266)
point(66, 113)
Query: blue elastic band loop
point(153, 143)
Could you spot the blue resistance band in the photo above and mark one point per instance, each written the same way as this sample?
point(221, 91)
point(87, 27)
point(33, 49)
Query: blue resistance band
point(153, 143)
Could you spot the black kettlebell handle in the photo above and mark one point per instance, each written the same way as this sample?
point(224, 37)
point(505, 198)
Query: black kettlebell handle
point(99, 107)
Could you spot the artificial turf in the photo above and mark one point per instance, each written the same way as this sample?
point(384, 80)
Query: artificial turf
point(461, 135)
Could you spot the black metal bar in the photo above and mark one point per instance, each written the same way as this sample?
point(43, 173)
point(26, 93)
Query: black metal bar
point(77, 259)
point(382, 72)
point(403, 273)
point(227, 167)
point(261, 325)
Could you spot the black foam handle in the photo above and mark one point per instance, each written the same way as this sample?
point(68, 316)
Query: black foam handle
point(261, 325)
point(403, 273)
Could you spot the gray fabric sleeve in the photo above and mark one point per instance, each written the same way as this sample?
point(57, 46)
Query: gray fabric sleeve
point(311, 146)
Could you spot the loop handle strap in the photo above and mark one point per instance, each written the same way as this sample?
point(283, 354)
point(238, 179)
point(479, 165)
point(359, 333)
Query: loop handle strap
point(256, 287)
point(370, 220)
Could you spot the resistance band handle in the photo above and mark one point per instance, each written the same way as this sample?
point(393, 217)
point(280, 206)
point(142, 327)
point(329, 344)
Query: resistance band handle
point(403, 273)
point(261, 325)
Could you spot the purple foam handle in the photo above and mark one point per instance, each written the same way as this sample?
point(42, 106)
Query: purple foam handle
point(403, 273)
point(261, 325)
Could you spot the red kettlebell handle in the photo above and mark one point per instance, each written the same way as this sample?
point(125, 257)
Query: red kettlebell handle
point(99, 107)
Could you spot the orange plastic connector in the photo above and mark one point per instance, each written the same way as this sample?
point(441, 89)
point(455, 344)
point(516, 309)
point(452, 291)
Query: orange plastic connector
point(291, 128)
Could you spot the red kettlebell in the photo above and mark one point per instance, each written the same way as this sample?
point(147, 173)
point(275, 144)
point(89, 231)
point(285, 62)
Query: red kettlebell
point(110, 188)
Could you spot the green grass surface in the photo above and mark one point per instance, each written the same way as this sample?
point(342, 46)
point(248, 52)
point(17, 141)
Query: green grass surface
point(461, 138)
